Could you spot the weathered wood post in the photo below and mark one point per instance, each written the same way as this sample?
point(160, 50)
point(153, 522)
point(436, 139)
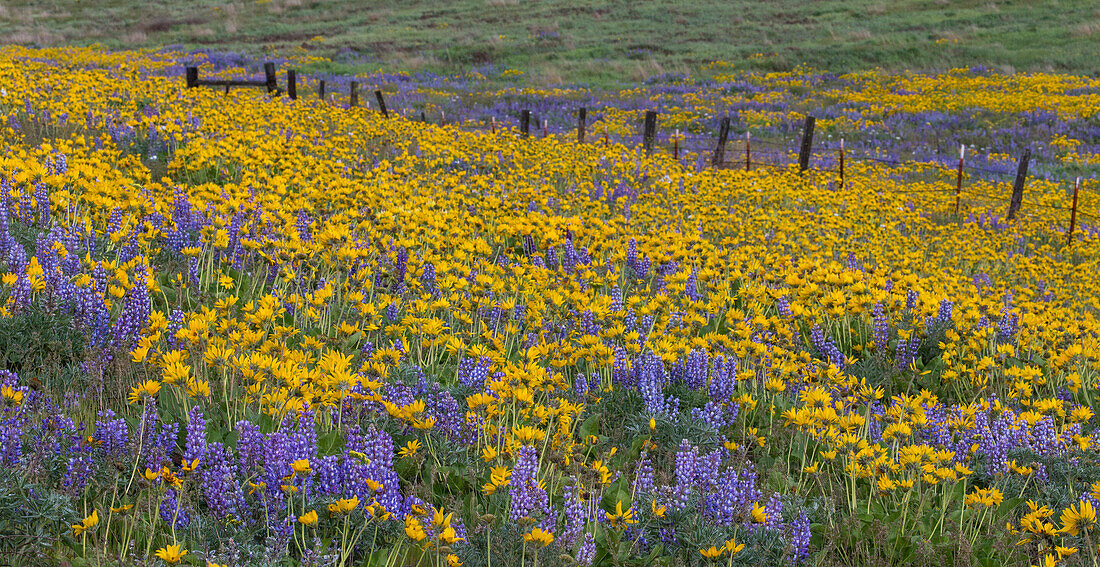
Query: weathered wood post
point(582, 115)
point(272, 81)
point(959, 177)
point(719, 156)
point(381, 102)
point(842, 164)
point(321, 89)
point(292, 84)
point(354, 95)
point(1073, 213)
point(649, 132)
point(748, 150)
point(525, 123)
point(1018, 187)
point(807, 143)
point(192, 77)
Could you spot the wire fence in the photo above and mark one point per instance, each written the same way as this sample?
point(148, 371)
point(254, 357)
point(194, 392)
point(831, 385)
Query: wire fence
point(746, 152)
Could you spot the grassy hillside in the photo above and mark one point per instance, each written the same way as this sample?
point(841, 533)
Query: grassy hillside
point(596, 41)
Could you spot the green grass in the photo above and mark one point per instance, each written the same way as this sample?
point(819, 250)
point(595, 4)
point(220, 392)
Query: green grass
point(601, 42)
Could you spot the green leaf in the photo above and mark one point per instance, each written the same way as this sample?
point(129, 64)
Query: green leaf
point(330, 443)
point(591, 426)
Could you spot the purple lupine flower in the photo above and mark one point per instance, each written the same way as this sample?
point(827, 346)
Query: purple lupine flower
point(587, 552)
point(42, 199)
point(773, 509)
point(302, 223)
point(827, 348)
point(11, 438)
point(711, 414)
point(427, 278)
point(377, 446)
point(331, 475)
point(78, 470)
point(723, 378)
point(221, 491)
point(621, 375)
point(643, 477)
point(111, 434)
point(783, 305)
point(690, 288)
point(574, 516)
point(1006, 328)
point(947, 308)
point(651, 384)
point(250, 447)
point(196, 435)
point(882, 329)
point(695, 369)
point(523, 488)
point(172, 511)
point(800, 537)
point(580, 385)
point(686, 456)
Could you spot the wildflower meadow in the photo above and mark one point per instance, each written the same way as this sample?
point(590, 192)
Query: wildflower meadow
point(240, 329)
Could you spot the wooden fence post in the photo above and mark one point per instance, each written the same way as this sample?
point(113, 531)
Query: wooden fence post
point(423, 117)
point(582, 115)
point(192, 77)
point(525, 123)
point(719, 156)
point(1073, 213)
point(1018, 187)
point(807, 142)
point(321, 89)
point(649, 133)
point(959, 177)
point(354, 94)
point(748, 150)
point(676, 145)
point(842, 164)
point(272, 82)
point(292, 84)
point(381, 103)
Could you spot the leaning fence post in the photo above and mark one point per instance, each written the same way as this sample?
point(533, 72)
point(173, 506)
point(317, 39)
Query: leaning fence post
point(525, 122)
point(381, 103)
point(959, 177)
point(272, 82)
point(719, 156)
point(582, 115)
point(807, 142)
point(649, 133)
point(321, 89)
point(1018, 187)
point(292, 84)
point(354, 94)
point(192, 77)
point(1073, 213)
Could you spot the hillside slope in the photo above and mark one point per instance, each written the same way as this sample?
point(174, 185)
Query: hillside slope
point(595, 41)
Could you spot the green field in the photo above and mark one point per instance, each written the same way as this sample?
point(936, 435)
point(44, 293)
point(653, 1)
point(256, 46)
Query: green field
point(592, 41)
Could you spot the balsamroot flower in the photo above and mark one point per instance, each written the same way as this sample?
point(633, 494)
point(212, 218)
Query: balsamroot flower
point(171, 553)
